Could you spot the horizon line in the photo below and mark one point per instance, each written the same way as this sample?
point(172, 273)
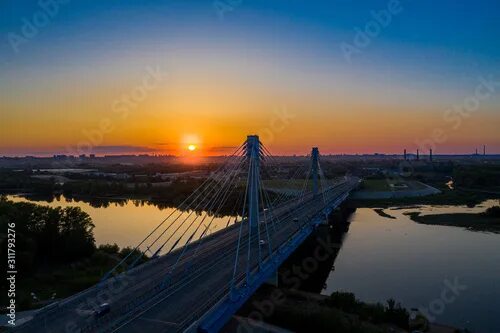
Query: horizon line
point(92, 156)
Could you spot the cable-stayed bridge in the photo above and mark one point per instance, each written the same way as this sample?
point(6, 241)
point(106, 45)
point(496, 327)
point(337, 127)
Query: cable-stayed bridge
point(196, 279)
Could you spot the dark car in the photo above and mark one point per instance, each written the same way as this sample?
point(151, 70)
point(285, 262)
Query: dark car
point(103, 309)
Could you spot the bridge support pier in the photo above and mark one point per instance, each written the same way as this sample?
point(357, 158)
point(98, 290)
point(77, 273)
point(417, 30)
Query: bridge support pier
point(340, 215)
point(273, 279)
point(326, 220)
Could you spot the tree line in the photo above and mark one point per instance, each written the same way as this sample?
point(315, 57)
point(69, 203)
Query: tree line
point(46, 235)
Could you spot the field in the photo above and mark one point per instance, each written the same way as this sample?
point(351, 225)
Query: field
point(391, 185)
point(477, 222)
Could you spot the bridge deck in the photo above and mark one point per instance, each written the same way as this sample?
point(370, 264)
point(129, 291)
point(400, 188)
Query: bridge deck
point(141, 303)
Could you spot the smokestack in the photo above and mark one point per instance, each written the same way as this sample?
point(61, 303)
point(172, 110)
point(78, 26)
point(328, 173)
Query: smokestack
point(484, 150)
point(418, 156)
point(476, 152)
point(405, 154)
point(430, 154)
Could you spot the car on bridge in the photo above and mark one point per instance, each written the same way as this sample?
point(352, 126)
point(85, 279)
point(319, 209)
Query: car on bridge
point(103, 309)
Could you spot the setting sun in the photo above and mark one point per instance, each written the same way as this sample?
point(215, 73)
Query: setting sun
point(191, 147)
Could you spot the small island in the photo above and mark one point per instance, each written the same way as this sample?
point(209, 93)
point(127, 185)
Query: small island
point(489, 220)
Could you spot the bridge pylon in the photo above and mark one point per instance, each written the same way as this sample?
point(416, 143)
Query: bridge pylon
point(314, 170)
point(253, 153)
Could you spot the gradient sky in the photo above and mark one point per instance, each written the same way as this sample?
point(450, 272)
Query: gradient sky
point(226, 76)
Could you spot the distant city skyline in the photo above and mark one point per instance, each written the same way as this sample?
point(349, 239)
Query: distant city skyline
point(127, 150)
point(148, 77)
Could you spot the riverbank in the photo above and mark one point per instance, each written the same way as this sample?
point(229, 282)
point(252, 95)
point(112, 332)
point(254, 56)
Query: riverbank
point(446, 197)
point(383, 189)
point(488, 221)
point(340, 312)
point(375, 246)
point(382, 213)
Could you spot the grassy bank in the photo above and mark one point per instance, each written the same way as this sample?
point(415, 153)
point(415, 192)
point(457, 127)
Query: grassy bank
point(390, 185)
point(340, 312)
point(486, 221)
point(447, 197)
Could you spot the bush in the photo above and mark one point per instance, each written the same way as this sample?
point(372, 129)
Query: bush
point(492, 211)
point(375, 313)
point(47, 235)
point(109, 248)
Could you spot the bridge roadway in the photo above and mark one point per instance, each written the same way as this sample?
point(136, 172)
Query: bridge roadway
point(141, 303)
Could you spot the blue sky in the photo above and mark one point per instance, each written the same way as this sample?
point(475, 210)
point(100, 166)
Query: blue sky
point(431, 54)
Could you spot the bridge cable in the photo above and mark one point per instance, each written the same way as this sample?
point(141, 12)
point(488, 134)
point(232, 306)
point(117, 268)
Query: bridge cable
point(204, 201)
point(247, 271)
point(265, 218)
point(161, 223)
point(236, 259)
point(228, 189)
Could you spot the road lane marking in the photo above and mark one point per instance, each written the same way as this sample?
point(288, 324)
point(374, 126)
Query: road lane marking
point(169, 323)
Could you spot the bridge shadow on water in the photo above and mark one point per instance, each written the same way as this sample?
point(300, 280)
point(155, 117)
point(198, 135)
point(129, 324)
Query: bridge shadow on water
point(306, 270)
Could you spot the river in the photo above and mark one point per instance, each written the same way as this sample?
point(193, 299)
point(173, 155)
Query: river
point(413, 263)
point(381, 258)
point(128, 222)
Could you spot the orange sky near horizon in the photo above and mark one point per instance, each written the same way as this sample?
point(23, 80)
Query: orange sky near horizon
point(218, 118)
point(151, 102)
point(167, 122)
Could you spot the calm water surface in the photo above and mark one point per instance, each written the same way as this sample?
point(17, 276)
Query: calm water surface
point(127, 223)
point(385, 258)
point(381, 258)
